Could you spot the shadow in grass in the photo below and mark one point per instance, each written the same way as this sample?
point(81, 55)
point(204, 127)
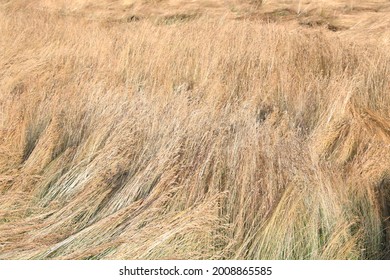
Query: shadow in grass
point(280, 15)
point(313, 23)
point(176, 18)
point(132, 18)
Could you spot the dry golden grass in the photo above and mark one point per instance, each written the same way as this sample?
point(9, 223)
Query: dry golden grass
point(194, 129)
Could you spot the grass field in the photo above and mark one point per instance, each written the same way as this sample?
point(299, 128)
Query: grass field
point(194, 129)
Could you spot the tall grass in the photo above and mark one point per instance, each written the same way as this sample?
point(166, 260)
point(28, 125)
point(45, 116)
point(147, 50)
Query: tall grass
point(209, 138)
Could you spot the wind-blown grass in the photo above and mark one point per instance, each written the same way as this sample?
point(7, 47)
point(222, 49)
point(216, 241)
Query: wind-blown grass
point(209, 138)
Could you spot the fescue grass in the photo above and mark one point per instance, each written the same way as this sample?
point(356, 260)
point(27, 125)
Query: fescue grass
point(200, 137)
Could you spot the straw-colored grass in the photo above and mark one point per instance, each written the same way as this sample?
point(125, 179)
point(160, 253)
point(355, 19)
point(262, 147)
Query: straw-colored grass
point(194, 129)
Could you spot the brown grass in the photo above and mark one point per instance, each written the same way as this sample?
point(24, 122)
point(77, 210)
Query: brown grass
point(170, 130)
